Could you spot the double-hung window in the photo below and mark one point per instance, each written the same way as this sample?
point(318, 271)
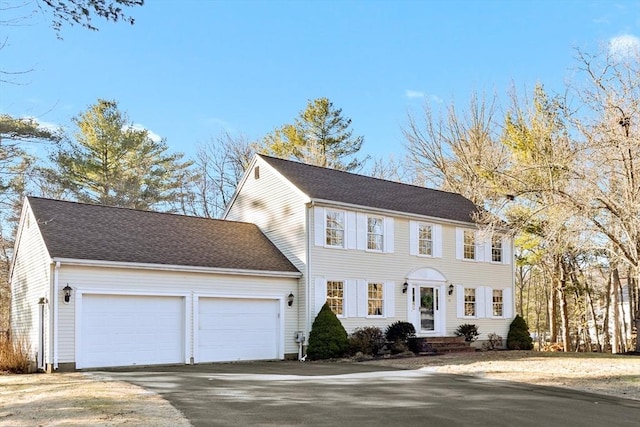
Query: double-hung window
point(375, 299)
point(496, 248)
point(469, 245)
point(425, 239)
point(335, 297)
point(470, 309)
point(498, 303)
point(375, 233)
point(334, 228)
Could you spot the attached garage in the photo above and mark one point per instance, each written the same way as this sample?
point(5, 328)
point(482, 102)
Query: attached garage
point(231, 329)
point(125, 330)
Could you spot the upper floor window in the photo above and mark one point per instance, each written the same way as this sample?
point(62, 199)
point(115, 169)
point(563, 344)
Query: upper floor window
point(375, 299)
point(425, 239)
point(375, 233)
point(334, 228)
point(496, 248)
point(335, 297)
point(498, 303)
point(470, 302)
point(469, 245)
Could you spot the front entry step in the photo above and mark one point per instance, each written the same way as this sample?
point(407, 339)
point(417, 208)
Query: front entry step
point(439, 345)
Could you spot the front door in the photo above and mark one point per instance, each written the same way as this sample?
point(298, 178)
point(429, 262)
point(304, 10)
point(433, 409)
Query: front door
point(429, 309)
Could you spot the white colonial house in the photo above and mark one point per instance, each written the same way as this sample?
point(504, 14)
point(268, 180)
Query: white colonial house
point(96, 286)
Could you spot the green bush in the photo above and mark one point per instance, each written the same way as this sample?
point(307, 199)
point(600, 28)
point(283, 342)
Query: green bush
point(468, 331)
point(367, 340)
point(519, 337)
point(400, 331)
point(328, 338)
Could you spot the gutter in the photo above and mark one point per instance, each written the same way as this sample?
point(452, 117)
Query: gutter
point(178, 268)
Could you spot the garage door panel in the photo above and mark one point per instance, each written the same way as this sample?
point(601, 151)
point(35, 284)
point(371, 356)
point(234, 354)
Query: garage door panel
point(122, 330)
point(238, 329)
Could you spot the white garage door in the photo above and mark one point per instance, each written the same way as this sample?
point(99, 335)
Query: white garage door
point(123, 330)
point(238, 329)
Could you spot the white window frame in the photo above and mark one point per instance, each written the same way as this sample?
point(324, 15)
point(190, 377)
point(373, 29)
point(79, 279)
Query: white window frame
point(343, 214)
point(381, 300)
point(343, 291)
point(495, 303)
point(497, 248)
point(414, 239)
point(380, 234)
point(430, 240)
point(473, 303)
point(466, 245)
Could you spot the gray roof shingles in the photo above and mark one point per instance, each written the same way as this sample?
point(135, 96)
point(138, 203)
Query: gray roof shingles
point(94, 232)
point(339, 186)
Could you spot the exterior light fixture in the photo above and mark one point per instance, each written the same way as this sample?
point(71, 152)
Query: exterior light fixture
point(405, 287)
point(290, 299)
point(451, 288)
point(42, 301)
point(67, 293)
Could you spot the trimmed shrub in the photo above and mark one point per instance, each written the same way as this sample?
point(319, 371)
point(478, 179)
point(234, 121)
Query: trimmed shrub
point(519, 337)
point(400, 331)
point(328, 338)
point(468, 331)
point(367, 340)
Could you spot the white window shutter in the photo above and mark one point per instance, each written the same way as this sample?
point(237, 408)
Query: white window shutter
point(488, 256)
point(459, 243)
point(488, 301)
point(480, 247)
point(389, 309)
point(319, 221)
point(361, 231)
point(351, 297)
point(363, 302)
point(437, 240)
point(350, 230)
point(388, 238)
point(507, 303)
point(413, 237)
point(506, 250)
point(480, 302)
point(460, 300)
point(320, 293)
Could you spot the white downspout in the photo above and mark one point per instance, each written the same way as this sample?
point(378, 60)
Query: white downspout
point(307, 317)
point(54, 334)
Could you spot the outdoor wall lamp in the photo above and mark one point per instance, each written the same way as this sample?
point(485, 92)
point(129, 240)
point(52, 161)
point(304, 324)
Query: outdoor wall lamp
point(451, 288)
point(405, 287)
point(290, 299)
point(67, 293)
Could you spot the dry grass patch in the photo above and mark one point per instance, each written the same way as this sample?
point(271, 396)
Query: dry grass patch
point(14, 355)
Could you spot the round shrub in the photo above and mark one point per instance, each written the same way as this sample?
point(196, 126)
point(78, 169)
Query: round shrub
point(367, 340)
point(519, 337)
point(468, 331)
point(328, 338)
point(400, 331)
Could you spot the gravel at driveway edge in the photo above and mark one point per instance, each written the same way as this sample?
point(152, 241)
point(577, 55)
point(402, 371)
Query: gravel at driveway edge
point(81, 399)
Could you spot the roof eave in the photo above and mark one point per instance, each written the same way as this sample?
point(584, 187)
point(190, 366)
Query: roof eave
point(175, 267)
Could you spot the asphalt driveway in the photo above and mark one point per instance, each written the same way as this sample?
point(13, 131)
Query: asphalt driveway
point(345, 394)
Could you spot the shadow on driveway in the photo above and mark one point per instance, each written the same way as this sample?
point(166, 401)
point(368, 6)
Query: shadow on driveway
point(288, 393)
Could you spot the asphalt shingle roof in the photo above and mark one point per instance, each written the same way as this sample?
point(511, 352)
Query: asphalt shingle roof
point(339, 186)
point(94, 232)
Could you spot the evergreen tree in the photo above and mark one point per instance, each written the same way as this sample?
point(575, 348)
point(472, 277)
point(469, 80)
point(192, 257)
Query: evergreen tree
point(328, 338)
point(319, 136)
point(112, 163)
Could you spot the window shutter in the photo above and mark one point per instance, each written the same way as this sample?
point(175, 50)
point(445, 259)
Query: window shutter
point(388, 239)
point(507, 303)
point(488, 255)
point(506, 250)
point(389, 299)
point(320, 293)
point(459, 243)
point(480, 247)
point(437, 240)
point(363, 302)
point(488, 301)
point(351, 298)
point(361, 231)
point(413, 237)
point(319, 221)
point(350, 232)
point(480, 302)
point(460, 300)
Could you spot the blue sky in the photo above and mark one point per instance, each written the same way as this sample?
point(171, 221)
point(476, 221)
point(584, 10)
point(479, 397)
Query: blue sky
point(188, 70)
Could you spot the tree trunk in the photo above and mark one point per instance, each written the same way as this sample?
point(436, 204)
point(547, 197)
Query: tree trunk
point(564, 310)
point(616, 345)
